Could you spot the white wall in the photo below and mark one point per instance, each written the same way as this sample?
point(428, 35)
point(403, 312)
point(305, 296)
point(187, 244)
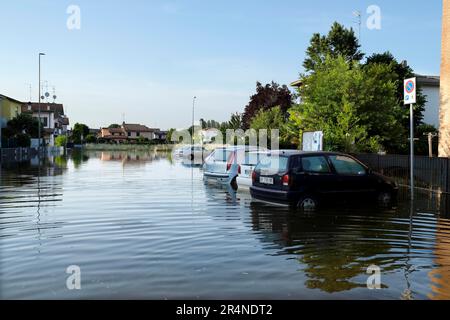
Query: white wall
point(431, 114)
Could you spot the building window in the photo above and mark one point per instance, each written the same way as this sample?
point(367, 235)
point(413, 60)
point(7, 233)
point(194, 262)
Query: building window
point(138, 134)
point(129, 134)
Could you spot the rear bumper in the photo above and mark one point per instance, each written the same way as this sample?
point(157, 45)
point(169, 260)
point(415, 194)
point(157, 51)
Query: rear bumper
point(220, 177)
point(287, 197)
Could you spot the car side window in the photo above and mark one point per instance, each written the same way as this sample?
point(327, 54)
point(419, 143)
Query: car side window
point(317, 164)
point(347, 165)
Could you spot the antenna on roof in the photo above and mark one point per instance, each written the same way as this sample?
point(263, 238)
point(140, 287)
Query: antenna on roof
point(54, 94)
point(357, 14)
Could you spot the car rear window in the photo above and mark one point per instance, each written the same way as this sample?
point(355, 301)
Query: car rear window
point(222, 155)
point(252, 158)
point(273, 164)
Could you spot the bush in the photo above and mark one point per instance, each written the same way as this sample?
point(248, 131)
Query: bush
point(60, 141)
point(90, 138)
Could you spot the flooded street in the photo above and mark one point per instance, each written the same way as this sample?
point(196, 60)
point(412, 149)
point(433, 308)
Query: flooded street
point(145, 226)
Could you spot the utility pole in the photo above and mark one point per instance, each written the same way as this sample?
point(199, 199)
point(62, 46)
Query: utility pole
point(430, 136)
point(193, 116)
point(39, 105)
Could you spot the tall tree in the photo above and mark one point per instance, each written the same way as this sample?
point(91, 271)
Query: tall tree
point(339, 41)
point(356, 107)
point(267, 97)
point(79, 133)
point(401, 72)
point(235, 121)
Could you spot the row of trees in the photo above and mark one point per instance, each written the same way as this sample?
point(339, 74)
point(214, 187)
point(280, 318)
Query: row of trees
point(356, 102)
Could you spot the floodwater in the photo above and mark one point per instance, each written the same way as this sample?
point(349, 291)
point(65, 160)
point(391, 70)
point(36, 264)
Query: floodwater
point(145, 226)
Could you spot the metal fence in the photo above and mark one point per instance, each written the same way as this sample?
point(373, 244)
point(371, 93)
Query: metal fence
point(429, 173)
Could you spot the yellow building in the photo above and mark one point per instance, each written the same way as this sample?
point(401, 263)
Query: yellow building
point(444, 134)
point(9, 108)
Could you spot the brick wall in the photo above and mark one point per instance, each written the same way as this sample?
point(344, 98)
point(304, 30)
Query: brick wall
point(444, 134)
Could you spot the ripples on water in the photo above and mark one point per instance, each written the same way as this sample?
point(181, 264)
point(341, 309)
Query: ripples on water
point(146, 226)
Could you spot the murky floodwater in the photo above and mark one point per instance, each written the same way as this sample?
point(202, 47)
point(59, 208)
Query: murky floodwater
point(145, 226)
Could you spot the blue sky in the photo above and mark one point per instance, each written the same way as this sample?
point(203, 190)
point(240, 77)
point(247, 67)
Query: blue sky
point(147, 59)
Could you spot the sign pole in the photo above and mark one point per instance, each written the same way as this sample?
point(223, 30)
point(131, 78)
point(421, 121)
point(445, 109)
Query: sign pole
point(411, 115)
point(410, 97)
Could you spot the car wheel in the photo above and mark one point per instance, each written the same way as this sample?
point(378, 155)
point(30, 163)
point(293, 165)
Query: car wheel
point(385, 198)
point(308, 203)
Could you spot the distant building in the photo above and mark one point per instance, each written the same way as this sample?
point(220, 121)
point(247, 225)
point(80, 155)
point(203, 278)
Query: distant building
point(130, 132)
point(136, 131)
point(115, 135)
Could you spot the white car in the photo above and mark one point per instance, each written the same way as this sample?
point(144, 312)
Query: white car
point(245, 170)
point(225, 164)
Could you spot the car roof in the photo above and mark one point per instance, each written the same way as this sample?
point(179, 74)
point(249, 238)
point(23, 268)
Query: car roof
point(304, 153)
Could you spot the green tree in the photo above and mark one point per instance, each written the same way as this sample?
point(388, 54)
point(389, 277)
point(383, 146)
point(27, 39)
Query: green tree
point(90, 138)
point(273, 119)
point(401, 71)
point(23, 123)
point(339, 41)
point(235, 121)
point(356, 107)
point(114, 126)
point(79, 131)
point(61, 141)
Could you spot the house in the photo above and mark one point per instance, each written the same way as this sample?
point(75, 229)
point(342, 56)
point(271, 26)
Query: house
point(115, 135)
point(161, 135)
point(129, 132)
point(47, 115)
point(60, 119)
point(136, 131)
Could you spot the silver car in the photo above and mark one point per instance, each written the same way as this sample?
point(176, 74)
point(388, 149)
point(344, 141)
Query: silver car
point(224, 164)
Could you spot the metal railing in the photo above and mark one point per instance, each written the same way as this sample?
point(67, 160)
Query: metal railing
point(429, 173)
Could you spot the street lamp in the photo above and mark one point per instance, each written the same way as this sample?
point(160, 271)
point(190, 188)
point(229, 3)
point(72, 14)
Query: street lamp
point(39, 104)
point(193, 113)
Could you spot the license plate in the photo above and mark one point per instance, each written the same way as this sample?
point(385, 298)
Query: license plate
point(266, 180)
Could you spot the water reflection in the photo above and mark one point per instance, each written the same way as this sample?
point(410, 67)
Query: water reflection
point(158, 225)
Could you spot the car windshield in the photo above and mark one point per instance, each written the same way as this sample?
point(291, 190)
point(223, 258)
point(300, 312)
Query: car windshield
point(272, 164)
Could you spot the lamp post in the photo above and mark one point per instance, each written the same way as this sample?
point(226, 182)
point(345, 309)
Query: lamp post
point(193, 114)
point(39, 105)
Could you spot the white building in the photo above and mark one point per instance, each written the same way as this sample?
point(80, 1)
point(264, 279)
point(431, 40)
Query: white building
point(430, 86)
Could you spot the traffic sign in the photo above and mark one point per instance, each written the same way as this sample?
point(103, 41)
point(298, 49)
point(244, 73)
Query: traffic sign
point(410, 91)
